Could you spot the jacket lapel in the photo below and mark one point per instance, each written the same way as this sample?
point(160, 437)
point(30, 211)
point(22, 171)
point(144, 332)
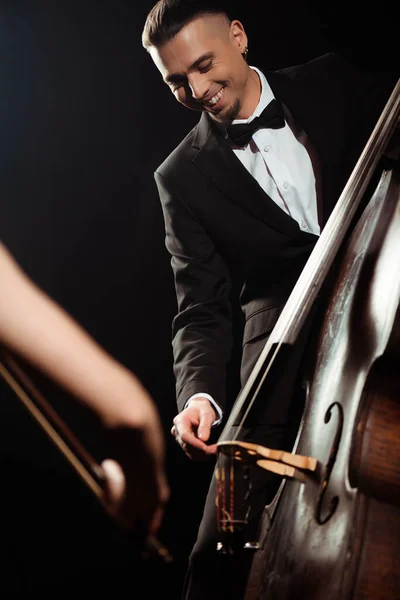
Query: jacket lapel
point(302, 97)
point(220, 165)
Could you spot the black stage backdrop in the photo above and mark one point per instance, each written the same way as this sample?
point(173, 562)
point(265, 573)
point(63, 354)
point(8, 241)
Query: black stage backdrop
point(85, 120)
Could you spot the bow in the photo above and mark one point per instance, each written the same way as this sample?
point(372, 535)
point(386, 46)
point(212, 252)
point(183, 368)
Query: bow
point(271, 117)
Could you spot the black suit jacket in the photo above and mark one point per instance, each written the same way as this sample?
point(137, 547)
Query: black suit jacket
point(220, 222)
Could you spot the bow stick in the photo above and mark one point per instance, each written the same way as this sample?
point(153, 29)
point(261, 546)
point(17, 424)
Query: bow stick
point(86, 467)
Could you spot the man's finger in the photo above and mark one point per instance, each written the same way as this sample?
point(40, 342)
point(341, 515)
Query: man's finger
point(189, 438)
point(204, 428)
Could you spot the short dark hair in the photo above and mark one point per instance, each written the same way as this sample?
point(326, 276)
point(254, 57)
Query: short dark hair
point(168, 17)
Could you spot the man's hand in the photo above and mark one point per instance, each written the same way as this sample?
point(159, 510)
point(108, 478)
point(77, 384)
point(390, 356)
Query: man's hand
point(192, 429)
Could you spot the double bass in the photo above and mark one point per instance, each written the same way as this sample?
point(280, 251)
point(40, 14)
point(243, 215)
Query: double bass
point(332, 530)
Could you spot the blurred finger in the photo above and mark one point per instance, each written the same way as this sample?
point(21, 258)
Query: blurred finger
point(115, 482)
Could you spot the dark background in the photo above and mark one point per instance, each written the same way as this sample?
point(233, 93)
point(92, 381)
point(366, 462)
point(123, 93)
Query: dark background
point(85, 120)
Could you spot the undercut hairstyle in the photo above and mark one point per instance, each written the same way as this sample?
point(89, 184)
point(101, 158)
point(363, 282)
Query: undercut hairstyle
point(168, 17)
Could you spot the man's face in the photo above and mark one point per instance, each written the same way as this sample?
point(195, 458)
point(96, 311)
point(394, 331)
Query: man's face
point(205, 70)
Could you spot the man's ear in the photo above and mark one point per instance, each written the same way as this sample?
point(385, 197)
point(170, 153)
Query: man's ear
point(238, 35)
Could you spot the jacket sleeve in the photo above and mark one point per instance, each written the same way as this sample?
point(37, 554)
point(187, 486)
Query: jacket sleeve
point(201, 329)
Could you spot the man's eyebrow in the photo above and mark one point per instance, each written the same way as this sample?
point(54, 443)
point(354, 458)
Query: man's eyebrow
point(176, 77)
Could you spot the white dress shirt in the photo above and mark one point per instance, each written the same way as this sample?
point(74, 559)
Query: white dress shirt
point(279, 161)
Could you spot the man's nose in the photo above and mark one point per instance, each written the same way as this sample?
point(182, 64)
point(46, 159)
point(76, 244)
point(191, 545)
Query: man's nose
point(198, 85)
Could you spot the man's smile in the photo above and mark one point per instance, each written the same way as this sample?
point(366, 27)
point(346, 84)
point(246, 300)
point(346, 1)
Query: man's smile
point(215, 100)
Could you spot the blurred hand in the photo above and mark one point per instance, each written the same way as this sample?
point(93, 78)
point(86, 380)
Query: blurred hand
point(136, 502)
point(192, 428)
point(36, 328)
point(136, 486)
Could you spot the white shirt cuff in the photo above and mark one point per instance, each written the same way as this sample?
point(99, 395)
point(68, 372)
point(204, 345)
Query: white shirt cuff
point(215, 405)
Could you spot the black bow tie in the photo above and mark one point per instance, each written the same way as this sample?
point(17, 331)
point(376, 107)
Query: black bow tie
point(272, 117)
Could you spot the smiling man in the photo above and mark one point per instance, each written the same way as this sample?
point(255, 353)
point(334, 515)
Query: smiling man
point(204, 67)
point(245, 195)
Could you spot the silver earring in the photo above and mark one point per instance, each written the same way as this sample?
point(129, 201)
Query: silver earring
point(245, 53)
